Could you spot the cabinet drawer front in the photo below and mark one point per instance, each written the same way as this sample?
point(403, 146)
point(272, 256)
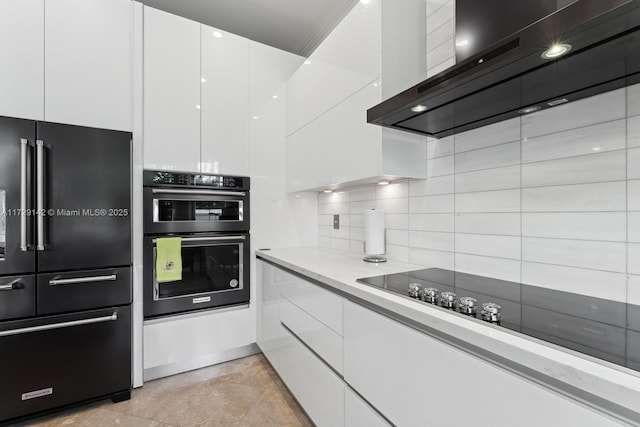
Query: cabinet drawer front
point(83, 290)
point(321, 304)
point(58, 360)
point(357, 412)
point(319, 391)
point(17, 297)
point(324, 341)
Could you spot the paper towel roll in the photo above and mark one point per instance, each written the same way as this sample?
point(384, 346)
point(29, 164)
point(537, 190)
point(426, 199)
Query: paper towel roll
point(374, 232)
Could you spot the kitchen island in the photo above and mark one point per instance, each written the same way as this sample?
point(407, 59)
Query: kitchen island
point(354, 354)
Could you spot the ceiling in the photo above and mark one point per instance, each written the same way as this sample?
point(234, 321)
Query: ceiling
point(297, 26)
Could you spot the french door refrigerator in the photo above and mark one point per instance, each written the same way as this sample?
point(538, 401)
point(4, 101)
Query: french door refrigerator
point(65, 266)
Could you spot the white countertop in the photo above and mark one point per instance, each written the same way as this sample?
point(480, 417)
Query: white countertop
point(572, 372)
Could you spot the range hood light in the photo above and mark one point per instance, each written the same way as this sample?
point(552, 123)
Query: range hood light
point(462, 42)
point(529, 110)
point(557, 102)
point(217, 34)
point(419, 108)
point(556, 50)
point(327, 190)
point(597, 148)
point(383, 182)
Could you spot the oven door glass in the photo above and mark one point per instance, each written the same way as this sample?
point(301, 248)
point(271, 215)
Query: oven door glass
point(205, 269)
point(203, 210)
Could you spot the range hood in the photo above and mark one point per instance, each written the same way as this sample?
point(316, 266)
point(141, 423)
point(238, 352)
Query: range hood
point(513, 76)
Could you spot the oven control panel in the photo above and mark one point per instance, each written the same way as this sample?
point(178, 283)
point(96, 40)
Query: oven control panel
point(153, 178)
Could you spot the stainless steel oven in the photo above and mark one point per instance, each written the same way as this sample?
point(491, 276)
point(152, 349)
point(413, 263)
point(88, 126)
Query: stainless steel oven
point(210, 213)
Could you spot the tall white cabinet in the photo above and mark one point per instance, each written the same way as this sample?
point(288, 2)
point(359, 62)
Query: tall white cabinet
point(171, 91)
point(67, 61)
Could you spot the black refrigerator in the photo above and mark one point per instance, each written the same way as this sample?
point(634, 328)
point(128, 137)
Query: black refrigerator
point(65, 266)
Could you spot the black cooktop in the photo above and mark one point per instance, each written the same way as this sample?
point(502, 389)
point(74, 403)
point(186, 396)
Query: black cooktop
point(605, 329)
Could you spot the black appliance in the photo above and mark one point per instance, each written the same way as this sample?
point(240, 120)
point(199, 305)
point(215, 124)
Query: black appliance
point(210, 213)
point(65, 266)
point(515, 76)
point(604, 329)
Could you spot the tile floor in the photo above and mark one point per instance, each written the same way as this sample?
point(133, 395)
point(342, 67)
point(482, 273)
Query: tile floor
point(243, 392)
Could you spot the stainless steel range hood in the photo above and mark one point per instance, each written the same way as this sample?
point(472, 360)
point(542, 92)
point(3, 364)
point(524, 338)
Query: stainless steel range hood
point(512, 77)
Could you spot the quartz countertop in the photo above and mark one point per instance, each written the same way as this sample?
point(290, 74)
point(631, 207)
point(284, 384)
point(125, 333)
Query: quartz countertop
point(609, 387)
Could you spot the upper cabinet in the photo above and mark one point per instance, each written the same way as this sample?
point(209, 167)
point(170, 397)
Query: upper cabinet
point(225, 102)
point(171, 92)
point(196, 96)
point(377, 49)
point(22, 59)
point(67, 61)
point(88, 68)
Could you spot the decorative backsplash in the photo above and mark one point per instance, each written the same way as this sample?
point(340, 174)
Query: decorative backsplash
point(550, 199)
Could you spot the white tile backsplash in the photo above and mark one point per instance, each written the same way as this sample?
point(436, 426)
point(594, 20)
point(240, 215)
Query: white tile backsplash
point(490, 179)
point(576, 170)
point(608, 256)
point(488, 201)
point(607, 226)
point(487, 158)
point(599, 197)
point(601, 138)
point(550, 199)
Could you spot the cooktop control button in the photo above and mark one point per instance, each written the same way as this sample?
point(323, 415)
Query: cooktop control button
point(414, 290)
point(490, 312)
point(430, 295)
point(467, 305)
point(448, 300)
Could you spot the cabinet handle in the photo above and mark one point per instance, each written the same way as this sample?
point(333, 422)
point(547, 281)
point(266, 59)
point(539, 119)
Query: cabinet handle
point(23, 194)
point(40, 193)
point(30, 329)
point(204, 192)
point(76, 280)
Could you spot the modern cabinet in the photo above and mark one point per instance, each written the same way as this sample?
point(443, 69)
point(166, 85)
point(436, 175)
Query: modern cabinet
point(67, 61)
point(376, 51)
point(22, 59)
point(413, 378)
point(225, 102)
point(88, 63)
point(171, 92)
point(358, 413)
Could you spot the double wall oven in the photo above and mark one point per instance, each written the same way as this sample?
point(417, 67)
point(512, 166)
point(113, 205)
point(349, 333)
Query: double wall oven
point(210, 213)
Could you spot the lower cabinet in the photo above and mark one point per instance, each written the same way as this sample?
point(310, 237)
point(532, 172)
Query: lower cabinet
point(358, 413)
point(416, 380)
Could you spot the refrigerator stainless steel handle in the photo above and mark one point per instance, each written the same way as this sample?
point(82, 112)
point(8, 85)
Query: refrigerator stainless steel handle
point(204, 192)
point(40, 193)
point(7, 287)
point(23, 194)
point(30, 329)
point(76, 280)
point(206, 239)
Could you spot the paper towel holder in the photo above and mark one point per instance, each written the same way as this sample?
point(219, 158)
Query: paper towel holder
point(378, 257)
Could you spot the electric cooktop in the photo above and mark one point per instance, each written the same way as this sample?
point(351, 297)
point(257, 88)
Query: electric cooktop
point(605, 329)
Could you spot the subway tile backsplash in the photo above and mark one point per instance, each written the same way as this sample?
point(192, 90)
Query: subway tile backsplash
point(550, 199)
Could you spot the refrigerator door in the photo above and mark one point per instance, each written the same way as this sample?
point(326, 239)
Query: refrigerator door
point(17, 297)
point(53, 361)
point(17, 254)
point(86, 196)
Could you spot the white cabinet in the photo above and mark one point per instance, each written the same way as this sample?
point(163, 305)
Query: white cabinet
point(378, 45)
point(413, 379)
point(88, 68)
point(67, 61)
point(358, 413)
point(171, 92)
point(286, 333)
point(225, 102)
point(22, 59)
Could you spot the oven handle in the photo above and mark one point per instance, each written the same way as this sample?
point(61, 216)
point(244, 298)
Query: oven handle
point(205, 192)
point(206, 239)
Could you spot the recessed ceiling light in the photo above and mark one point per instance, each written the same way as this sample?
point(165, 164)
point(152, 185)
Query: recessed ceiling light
point(307, 62)
point(462, 42)
point(556, 50)
point(557, 102)
point(419, 108)
point(217, 34)
point(365, 1)
point(383, 182)
point(327, 190)
point(203, 80)
point(198, 107)
point(375, 84)
point(529, 110)
point(255, 117)
point(597, 148)
point(275, 97)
